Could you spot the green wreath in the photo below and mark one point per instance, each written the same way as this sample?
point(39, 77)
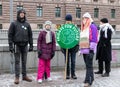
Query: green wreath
point(68, 36)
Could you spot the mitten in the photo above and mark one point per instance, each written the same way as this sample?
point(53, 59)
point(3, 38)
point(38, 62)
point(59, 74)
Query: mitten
point(39, 53)
point(53, 54)
point(11, 49)
point(31, 48)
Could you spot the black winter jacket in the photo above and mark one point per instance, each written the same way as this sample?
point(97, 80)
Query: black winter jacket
point(104, 48)
point(20, 32)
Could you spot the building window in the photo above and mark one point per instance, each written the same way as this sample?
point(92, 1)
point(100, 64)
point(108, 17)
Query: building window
point(95, 0)
point(0, 10)
point(112, 13)
point(79, 26)
point(19, 7)
point(112, 1)
point(78, 12)
point(96, 12)
point(57, 12)
point(0, 26)
point(39, 11)
point(40, 26)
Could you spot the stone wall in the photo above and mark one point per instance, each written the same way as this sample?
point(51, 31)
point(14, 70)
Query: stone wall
point(57, 61)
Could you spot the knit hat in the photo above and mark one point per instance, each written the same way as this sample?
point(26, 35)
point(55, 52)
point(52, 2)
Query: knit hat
point(48, 23)
point(104, 20)
point(87, 15)
point(68, 17)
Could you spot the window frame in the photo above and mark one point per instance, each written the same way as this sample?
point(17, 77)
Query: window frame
point(113, 12)
point(0, 9)
point(96, 12)
point(1, 26)
point(78, 12)
point(39, 11)
point(57, 12)
point(95, 0)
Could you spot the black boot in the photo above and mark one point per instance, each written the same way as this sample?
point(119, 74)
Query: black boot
point(68, 74)
point(73, 76)
point(98, 72)
point(105, 75)
point(67, 77)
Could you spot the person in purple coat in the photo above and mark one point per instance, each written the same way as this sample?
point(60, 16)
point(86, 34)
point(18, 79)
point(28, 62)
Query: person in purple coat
point(88, 43)
point(46, 46)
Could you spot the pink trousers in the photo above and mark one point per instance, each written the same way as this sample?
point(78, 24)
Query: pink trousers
point(43, 66)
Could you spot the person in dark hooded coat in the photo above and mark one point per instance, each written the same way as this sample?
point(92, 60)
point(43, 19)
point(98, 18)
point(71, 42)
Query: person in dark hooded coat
point(19, 35)
point(104, 48)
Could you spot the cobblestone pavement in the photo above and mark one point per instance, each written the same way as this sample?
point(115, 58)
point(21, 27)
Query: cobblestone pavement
point(7, 80)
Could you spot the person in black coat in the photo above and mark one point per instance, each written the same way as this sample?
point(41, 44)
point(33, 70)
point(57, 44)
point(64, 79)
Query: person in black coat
point(104, 48)
point(19, 35)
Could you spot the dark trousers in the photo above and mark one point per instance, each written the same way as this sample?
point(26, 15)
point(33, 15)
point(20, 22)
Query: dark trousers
point(101, 66)
point(20, 54)
point(72, 57)
point(88, 59)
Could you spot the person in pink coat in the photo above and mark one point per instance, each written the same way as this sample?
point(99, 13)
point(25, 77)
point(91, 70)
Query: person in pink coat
point(46, 46)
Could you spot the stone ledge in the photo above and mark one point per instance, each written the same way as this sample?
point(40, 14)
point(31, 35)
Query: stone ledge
point(5, 48)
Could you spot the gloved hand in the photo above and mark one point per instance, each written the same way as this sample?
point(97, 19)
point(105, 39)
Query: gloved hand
point(31, 48)
point(63, 50)
point(11, 49)
point(91, 54)
point(91, 51)
point(53, 54)
point(76, 48)
point(39, 53)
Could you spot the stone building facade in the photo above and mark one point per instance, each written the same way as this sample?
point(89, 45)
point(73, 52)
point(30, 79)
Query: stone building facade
point(38, 11)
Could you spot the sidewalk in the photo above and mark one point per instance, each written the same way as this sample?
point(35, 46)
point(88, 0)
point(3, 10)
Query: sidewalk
point(7, 80)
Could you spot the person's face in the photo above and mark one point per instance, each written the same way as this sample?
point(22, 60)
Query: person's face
point(101, 23)
point(22, 15)
point(47, 26)
point(85, 20)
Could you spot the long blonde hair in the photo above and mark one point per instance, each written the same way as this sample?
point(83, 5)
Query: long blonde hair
point(86, 24)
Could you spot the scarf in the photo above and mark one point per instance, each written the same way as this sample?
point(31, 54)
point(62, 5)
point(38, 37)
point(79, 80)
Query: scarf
point(105, 27)
point(48, 36)
point(84, 34)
